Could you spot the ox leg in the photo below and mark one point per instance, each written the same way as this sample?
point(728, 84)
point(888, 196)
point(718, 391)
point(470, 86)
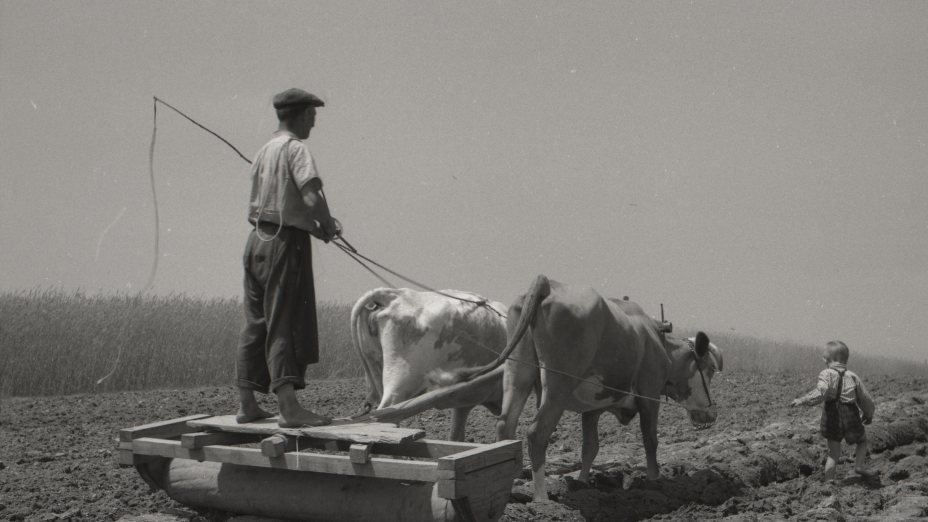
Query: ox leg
point(513, 402)
point(539, 433)
point(459, 422)
point(647, 418)
point(518, 382)
point(590, 443)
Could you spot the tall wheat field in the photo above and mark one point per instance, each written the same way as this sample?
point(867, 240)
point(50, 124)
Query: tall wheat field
point(54, 342)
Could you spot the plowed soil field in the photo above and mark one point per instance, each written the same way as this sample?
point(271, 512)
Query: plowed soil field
point(761, 461)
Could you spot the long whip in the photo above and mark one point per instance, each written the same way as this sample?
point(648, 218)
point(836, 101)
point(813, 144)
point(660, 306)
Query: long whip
point(154, 196)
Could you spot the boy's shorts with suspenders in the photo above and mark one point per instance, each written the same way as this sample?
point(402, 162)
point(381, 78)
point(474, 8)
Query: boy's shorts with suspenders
point(841, 420)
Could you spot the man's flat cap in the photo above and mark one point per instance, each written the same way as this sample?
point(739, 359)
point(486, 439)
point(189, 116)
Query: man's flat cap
point(294, 97)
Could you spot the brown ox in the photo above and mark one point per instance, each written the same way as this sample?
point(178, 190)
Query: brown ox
point(590, 355)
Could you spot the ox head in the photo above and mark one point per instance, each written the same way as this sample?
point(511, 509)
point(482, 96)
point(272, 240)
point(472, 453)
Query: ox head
point(693, 364)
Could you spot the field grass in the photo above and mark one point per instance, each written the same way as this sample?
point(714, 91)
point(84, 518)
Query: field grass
point(56, 343)
point(751, 354)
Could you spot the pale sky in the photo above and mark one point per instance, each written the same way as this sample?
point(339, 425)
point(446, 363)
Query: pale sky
point(755, 166)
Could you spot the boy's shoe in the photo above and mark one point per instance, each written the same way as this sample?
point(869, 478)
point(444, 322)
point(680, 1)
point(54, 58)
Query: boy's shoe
point(867, 473)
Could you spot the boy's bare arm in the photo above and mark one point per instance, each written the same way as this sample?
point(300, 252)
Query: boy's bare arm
point(865, 402)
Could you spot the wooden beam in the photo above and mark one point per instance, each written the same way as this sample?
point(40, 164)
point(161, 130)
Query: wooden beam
point(276, 445)
point(125, 457)
point(359, 453)
point(463, 509)
point(481, 482)
point(478, 458)
point(128, 458)
point(199, 439)
point(422, 448)
point(365, 432)
point(337, 464)
point(164, 429)
point(425, 448)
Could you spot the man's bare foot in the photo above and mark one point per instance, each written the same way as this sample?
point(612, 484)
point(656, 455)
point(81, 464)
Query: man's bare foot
point(867, 473)
point(292, 414)
point(251, 414)
point(248, 408)
point(302, 417)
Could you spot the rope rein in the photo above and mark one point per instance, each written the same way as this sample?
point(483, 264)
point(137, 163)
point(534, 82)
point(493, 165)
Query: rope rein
point(358, 257)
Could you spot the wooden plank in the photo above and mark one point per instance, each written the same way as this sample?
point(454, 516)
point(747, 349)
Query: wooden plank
point(125, 457)
point(164, 429)
point(481, 457)
point(463, 510)
point(490, 503)
point(335, 464)
point(480, 483)
point(359, 453)
point(422, 448)
point(276, 445)
point(199, 439)
point(365, 432)
point(425, 448)
point(128, 458)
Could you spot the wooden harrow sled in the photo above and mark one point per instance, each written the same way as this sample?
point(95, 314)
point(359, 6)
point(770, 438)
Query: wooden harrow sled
point(368, 471)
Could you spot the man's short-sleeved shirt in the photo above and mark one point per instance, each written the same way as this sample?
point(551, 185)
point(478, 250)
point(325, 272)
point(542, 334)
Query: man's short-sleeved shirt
point(278, 174)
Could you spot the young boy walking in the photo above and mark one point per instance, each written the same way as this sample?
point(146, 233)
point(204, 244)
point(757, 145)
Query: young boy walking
point(848, 406)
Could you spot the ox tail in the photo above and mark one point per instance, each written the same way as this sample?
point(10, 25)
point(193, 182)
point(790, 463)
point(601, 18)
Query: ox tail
point(457, 395)
point(366, 340)
point(539, 290)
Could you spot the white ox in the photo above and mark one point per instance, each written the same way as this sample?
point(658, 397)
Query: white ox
point(406, 339)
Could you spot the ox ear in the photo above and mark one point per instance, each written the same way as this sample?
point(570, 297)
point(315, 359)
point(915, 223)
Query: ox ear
point(701, 344)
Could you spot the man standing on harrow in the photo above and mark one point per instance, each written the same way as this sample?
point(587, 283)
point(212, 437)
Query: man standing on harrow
point(280, 337)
